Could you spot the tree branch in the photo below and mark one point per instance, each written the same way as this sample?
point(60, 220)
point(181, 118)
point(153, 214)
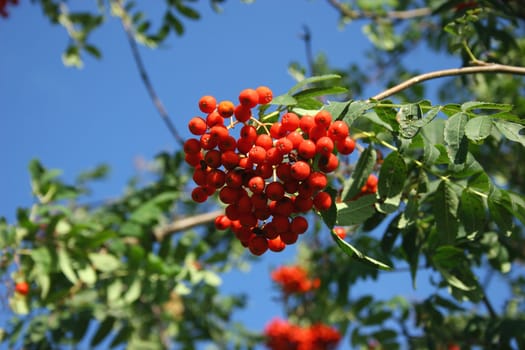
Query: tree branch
point(485, 68)
point(147, 82)
point(185, 224)
point(401, 15)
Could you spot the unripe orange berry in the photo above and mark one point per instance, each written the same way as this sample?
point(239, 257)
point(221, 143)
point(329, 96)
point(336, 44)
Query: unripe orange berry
point(207, 104)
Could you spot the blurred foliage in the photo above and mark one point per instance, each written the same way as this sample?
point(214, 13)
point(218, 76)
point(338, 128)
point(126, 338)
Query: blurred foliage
point(450, 204)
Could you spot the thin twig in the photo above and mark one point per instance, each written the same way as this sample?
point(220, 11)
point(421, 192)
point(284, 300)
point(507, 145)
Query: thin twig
point(147, 83)
point(185, 224)
point(486, 68)
point(307, 37)
point(394, 15)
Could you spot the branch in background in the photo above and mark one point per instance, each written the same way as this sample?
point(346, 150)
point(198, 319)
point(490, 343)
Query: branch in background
point(307, 38)
point(186, 223)
point(393, 15)
point(485, 68)
point(147, 82)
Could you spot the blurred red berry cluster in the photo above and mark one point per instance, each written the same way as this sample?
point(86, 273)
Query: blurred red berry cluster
point(282, 335)
point(270, 174)
point(294, 279)
point(3, 6)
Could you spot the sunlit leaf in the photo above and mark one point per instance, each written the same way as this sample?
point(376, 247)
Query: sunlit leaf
point(392, 175)
point(479, 128)
point(512, 131)
point(456, 142)
point(356, 211)
point(353, 252)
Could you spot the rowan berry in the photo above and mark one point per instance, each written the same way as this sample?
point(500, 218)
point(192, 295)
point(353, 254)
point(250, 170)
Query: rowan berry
point(248, 220)
point(306, 149)
point(248, 132)
point(193, 159)
point(216, 178)
point(299, 225)
point(234, 179)
point(258, 245)
point(192, 146)
point(277, 131)
point(246, 163)
point(249, 98)
point(346, 145)
point(316, 132)
point(281, 222)
point(213, 158)
point(219, 132)
point(323, 118)
point(291, 186)
point(305, 189)
point(338, 130)
point(208, 142)
point(244, 145)
point(265, 95)
point(276, 244)
point(262, 213)
point(242, 113)
point(232, 212)
point(222, 222)
point(340, 232)
point(200, 176)
point(207, 104)
point(214, 118)
point(229, 195)
point(324, 145)
point(284, 145)
point(300, 170)
point(372, 181)
point(264, 170)
point(199, 194)
point(229, 159)
point(22, 288)
point(256, 184)
point(283, 206)
point(244, 234)
point(317, 180)
point(302, 203)
point(284, 172)
point(226, 108)
point(273, 156)
point(288, 237)
point(290, 121)
point(322, 201)
point(306, 123)
point(264, 140)
point(328, 163)
point(197, 126)
point(296, 138)
point(275, 190)
point(269, 231)
point(257, 154)
point(244, 204)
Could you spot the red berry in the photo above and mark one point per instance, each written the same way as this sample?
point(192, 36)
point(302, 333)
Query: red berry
point(257, 154)
point(281, 222)
point(199, 194)
point(222, 222)
point(193, 159)
point(300, 170)
point(372, 181)
point(242, 113)
point(302, 203)
point(340, 232)
point(256, 184)
point(229, 195)
point(249, 132)
point(299, 225)
point(213, 158)
point(258, 245)
point(289, 237)
point(324, 146)
point(317, 180)
point(265, 94)
point(296, 138)
point(207, 104)
point(306, 123)
point(322, 201)
point(275, 191)
point(265, 141)
point(192, 146)
point(323, 118)
point(214, 118)
point(306, 149)
point(216, 178)
point(197, 126)
point(290, 121)
point(277, 131)
point(226, 109)
point(22, 288)
point(338, 130)
point(346, 145)
point(249, 98)
point(284, 145)
point(208, 142)
point(244, 145)
point(273, 156)
point(276, 244)
point(328, 163)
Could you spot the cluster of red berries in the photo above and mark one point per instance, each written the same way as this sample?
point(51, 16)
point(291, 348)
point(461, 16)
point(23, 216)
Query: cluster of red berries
point(270, 174)
point(282, 335)
point(3, 5)
point(294, 279)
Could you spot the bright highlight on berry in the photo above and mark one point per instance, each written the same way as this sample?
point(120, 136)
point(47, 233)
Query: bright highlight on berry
point(270, 175)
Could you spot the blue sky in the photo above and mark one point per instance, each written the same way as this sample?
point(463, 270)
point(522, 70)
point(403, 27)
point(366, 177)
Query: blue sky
point(75, 119)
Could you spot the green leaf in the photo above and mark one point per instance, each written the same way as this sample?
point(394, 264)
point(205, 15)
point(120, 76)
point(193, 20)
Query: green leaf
point(408, 117)
point(284, 100)
point(311, 80)
point(355, 110)
point(445, 211)
point(455, 140)
point(187, 11)
point(134, 291)
point(320, 91)
point(363, 168)
point(104, 262)
point(480, 182)
point(391, 233)
point(471, 212)
point(87, 275)
point(174, 23)
point(356, 211)
point(65, 265)
point(512, 131)
point(330, 216)
point(93, 51)
point(353, 252)
point(337, 109)
point(499, 212)
point(392, 175)
point(479, 128)
point(478, 105)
